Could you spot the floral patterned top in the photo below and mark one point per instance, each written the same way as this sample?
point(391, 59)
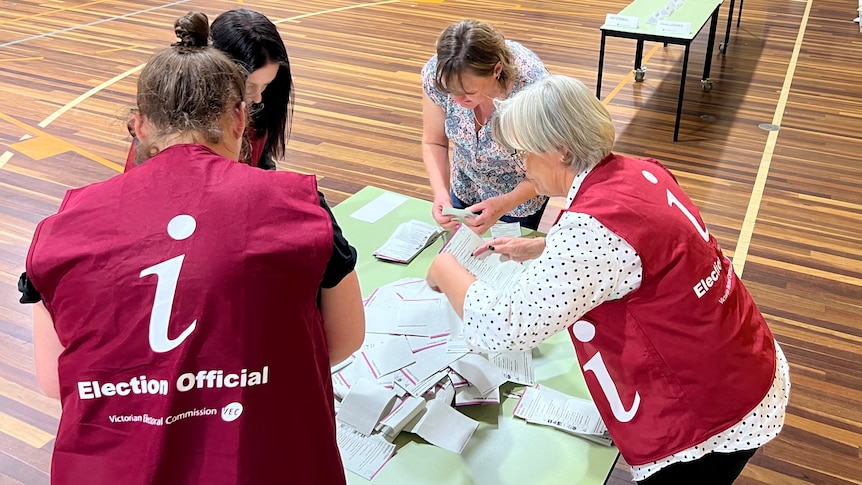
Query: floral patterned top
point(480, 167)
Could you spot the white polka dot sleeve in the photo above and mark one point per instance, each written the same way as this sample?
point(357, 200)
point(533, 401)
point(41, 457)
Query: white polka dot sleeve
point(583, 265)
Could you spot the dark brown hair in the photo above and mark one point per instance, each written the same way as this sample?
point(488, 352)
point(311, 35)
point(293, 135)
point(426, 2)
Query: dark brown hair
point(187, 89)
point(253, 41)
point(474, 46)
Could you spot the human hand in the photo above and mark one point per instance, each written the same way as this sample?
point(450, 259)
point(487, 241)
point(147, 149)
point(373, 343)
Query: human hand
point(489, 211)
point(447, 222)
point(518, 249)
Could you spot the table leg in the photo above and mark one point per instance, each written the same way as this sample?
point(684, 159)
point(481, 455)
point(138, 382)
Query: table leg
point(707, 63)
point(681, 91)
point(639, 55)
point(601, 64)
point(739, 14)
point(723, 46)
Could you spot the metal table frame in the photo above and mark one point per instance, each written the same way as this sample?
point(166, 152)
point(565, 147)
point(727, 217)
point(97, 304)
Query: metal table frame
point(653, 37)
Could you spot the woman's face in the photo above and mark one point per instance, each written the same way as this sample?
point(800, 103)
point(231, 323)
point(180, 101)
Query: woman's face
point(548, 173)
point(477, 89)
point(257, 82)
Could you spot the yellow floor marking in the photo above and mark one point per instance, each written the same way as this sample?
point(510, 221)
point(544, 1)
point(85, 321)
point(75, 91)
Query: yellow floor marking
point(742, 245)
point(117, 49)
point(22, 431)
point(629, 77)
point(31, 398)
point(48, 138)
point(53, 143)
point(22, 59)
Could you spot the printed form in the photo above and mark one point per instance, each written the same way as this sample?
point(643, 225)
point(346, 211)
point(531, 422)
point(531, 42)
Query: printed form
point(490, 269)
point(543, 405)
point(363, 455)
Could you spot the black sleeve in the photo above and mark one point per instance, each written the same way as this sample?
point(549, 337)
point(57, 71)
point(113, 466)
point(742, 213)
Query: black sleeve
point(29, 294)
point(343, 258)
point(266, 162)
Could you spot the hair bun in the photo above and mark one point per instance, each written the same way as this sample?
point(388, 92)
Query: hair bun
point(193, 30)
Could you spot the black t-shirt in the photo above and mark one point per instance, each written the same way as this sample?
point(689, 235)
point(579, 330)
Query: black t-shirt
point(341, 263)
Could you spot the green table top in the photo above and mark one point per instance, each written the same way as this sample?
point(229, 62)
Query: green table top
point(505, 449)
point(697, 12)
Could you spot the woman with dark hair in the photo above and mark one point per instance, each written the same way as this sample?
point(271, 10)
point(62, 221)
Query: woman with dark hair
point(252, 41)
point(475, 65)
point(176, 327)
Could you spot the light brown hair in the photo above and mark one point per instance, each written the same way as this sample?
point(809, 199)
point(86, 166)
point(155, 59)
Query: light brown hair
point(188, 88)
point(474, 46)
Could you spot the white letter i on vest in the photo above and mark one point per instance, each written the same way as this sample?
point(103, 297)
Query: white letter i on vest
point(168, 273)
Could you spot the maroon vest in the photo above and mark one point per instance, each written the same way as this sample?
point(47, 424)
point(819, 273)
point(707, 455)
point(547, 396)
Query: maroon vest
point(130, 157)
point(185, 295)
point(255, 148)
point(687, 354)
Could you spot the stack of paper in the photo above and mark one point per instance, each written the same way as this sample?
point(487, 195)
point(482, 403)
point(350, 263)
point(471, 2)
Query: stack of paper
point(543, 405)
point(408, 240)
point(406, 379)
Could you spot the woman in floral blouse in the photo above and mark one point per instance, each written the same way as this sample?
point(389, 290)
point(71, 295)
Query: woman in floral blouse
point(474, 66)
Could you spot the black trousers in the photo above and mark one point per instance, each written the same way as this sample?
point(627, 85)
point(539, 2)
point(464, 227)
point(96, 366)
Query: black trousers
point(711, 469)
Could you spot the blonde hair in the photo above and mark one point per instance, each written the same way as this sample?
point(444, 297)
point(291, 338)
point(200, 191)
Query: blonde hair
point(475, 47)
point(556, 113)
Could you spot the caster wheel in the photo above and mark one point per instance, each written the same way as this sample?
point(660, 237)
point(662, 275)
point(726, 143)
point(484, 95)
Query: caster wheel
point(722, 48)
point(639, 75)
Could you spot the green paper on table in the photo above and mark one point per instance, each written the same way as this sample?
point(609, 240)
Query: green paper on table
point(459, 214)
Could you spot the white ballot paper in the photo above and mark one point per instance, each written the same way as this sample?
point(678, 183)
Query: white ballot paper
point(469, 395)
point(460, 214)
point(516, 366)
point(408, 240)
point(363, 455)
point(429, 369)
point(443, 426)
point(499, 274)
point(388, 357)
point(501, 229)
point(543, 405)
point(479, 372)
point(403, 413)
point(379, 207)
point(408, 309)
point(364, 405)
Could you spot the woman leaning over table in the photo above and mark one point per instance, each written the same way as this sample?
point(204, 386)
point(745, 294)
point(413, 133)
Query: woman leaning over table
point(184, 326)
point(252, 41)
point(676, 355)
point(475, 65)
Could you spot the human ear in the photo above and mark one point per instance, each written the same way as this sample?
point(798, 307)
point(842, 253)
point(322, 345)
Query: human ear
point(239, 119)
point(138, 126)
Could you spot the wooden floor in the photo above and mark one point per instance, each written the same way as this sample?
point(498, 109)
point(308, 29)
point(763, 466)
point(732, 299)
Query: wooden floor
point(787, 205)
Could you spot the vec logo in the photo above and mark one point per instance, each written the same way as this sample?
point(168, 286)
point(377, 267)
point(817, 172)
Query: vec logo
point(231, 412)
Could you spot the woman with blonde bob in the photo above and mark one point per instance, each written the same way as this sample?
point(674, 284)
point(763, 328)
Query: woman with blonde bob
point(677, 357)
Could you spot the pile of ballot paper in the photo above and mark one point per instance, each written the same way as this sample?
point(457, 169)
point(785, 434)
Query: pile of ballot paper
point(414, 370)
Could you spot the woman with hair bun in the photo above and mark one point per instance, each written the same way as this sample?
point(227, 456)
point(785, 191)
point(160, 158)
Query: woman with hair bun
point(252, 41)
point(177, 326)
